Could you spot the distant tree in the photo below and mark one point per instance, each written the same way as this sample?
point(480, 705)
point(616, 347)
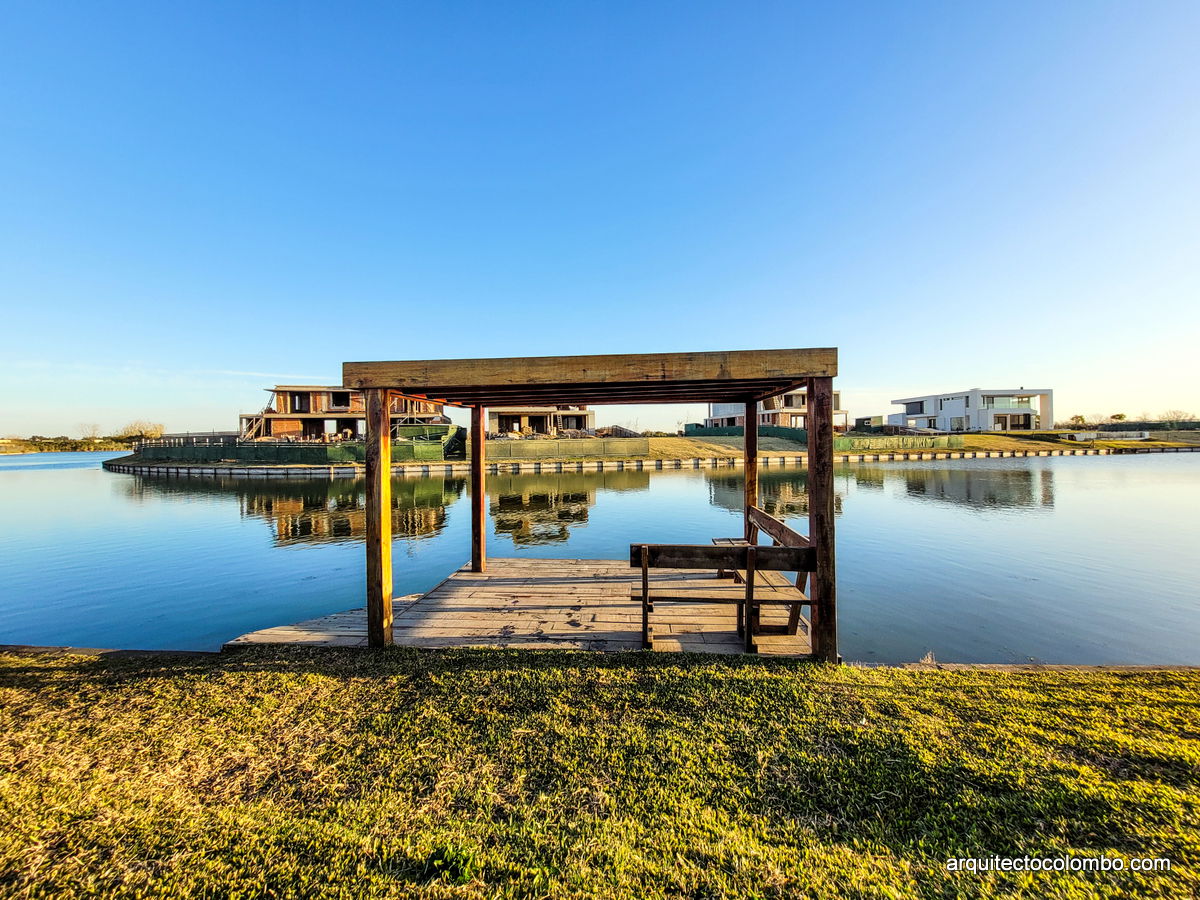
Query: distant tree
point(1118, 417)
point(1177, 415)
point(141, 429)
point(89, 431)
point(1078, 420)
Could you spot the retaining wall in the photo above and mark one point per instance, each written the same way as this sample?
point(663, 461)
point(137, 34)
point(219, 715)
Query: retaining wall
point(419, 469)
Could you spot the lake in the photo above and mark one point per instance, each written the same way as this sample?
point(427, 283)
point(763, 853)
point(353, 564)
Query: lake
point(1085, 560)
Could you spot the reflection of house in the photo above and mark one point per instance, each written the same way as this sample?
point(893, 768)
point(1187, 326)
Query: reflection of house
point(981, 487)
point(542, 509)
point(788, 410)
point(319, 512)
point(540, 517)
point(978, 410)
point(540, 419)
point(781, 493)
point(307, 412)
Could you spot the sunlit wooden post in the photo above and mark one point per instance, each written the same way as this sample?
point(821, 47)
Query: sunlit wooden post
point(750, 466)
point(379, 518)
point(823, 583)
point(478, 490)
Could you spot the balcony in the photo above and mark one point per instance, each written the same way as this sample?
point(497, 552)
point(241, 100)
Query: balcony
point(1029, 403)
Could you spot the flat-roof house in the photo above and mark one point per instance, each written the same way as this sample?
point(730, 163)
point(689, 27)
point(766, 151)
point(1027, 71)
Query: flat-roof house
point(306, 412)
point(788, 410)
point(1015, 409)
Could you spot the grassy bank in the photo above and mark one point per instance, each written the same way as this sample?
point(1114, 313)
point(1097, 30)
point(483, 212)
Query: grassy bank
point(57, 445)
point(472, 774)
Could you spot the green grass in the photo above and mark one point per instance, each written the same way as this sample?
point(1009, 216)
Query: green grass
point(478, 774)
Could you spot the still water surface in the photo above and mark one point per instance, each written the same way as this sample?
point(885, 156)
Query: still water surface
point(1065, 560)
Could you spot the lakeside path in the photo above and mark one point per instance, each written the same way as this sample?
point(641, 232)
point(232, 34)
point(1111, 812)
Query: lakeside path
point(484, 773)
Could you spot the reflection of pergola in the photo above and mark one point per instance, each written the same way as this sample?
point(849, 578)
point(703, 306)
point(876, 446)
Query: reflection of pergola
point(740, 376)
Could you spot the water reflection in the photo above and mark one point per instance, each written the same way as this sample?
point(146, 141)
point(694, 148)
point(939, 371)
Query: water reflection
point(781, 493)
point(542, 509)
point(319, 511)
point(982, 488)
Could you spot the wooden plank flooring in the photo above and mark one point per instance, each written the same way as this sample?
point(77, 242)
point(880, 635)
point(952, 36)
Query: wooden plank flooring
point(575, 604)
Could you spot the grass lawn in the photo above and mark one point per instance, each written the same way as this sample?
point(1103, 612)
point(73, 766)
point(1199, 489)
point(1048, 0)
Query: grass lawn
point(684, 448)
point(676, 448)
point(1004, 442)
point(519, 774)
point(1049, 442)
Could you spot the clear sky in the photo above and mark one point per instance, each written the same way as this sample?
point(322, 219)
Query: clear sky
point(200, 200)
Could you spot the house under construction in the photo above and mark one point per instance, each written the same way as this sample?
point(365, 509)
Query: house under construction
point(540, 419)
point(316, 413)
point(788, 410)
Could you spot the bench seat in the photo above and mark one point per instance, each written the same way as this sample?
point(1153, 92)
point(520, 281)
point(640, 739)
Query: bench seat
point(767, 578)
point(710, 590)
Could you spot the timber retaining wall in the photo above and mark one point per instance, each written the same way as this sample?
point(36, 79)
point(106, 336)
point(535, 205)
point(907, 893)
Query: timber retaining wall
point(419, 469)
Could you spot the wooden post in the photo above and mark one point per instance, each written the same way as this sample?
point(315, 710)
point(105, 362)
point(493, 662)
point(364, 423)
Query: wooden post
point(750, 466)
point(750, 617)
point(647, 642)
point(379, 519)
point(823, 583)
point(478, 490)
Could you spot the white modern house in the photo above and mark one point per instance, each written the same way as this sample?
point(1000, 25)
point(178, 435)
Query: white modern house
point(788, 410)
point(1019, 409)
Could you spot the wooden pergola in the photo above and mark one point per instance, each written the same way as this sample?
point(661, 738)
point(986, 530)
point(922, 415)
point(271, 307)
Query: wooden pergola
point(738, 376)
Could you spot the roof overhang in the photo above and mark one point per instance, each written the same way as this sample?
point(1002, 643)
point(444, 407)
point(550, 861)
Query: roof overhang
point(713, 377)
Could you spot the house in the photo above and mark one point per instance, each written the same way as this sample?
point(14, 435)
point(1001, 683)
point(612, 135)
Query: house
point(540, 419)
point(788, 410)
point(310, 412)
point(1019, 409)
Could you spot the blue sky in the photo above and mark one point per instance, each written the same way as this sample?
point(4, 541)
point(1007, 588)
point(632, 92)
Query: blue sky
point(199, 200)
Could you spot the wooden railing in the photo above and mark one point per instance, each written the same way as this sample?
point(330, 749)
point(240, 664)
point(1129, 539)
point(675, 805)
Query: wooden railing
point(776, 530)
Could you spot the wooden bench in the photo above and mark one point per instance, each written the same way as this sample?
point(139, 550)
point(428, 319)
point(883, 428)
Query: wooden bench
point(747, 559)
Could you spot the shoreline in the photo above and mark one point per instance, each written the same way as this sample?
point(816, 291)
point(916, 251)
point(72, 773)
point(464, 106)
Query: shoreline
point(63, 650)
point(461, 467)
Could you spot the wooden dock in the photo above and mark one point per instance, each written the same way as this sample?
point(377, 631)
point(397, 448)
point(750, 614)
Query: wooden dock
point(560, 604)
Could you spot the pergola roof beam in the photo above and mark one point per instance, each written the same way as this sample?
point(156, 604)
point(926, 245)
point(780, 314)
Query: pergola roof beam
point(726, 376)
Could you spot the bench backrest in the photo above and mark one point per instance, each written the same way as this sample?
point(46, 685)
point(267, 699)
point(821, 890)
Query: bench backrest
point(707, 556)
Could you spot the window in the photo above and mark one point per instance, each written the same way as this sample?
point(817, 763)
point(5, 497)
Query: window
point(300, 402)
point(915, 408)
point(339, 399)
